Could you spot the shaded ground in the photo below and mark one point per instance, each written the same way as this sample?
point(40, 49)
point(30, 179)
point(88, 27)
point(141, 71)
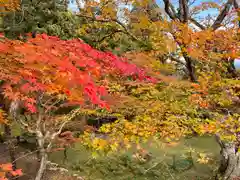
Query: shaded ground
point(114, 168)
point(27, 161)
point(107, 168)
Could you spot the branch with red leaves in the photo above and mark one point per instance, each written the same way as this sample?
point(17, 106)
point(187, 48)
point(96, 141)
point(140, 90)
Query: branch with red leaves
point(6, 170)
point(50, 65)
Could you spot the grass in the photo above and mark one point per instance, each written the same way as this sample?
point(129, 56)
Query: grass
point(124, 167)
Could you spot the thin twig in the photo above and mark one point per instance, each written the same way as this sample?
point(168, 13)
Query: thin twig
point(126, 31)
point(169, 171)
point(25, 155)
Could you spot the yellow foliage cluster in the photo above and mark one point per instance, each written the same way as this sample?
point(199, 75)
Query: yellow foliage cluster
point(168, 110)
point(2, 116)
point(10, 5)
point(227, 127)
point(157, 111)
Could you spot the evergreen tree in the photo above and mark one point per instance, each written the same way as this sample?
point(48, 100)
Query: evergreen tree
point(48, 16)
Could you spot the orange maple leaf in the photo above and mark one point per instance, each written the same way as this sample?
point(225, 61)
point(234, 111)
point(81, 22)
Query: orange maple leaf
point(6, 167)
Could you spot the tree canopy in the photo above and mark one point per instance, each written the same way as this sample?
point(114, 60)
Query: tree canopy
point(173, 77)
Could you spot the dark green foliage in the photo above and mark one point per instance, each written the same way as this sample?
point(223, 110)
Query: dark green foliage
point(44, 16)
point(153, 11)
point(125, 167)
point(64, 25)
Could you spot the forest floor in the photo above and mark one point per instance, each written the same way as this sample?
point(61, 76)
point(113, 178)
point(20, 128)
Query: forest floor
point(116, 168)
point(27, 161)
point(112, 168)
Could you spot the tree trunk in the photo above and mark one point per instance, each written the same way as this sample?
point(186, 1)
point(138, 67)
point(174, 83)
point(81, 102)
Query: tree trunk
point(11, 146)
point(43, 155)
point(11, 142)
point(230, 161)
point(236, 5)
point(43, 165)
point(65, 155)
point(190, 67)
point(231, 69)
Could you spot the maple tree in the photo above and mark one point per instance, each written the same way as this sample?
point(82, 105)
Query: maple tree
point(208, 50)
point(7, 169)
point(46, 73)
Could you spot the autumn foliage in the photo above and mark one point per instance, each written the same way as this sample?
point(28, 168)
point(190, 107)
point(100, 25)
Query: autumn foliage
point(2, 116)
point(46, 73)
point(46, 68)
point(6, 169)
point(10, 5)
point(70, 68)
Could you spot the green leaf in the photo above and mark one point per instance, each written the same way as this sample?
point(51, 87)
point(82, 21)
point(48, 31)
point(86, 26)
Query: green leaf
point(16, 129)
point(1, 129)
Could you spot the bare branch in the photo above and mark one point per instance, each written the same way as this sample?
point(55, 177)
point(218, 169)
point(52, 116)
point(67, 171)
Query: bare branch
point(67, 118)
point(236, 4)
point(185, 10)
point(202, 27)
point(177, 60)
point(191, 3)
point(218, 139)
point(38, 123)
point(78, 5)
point(222, 15)
point(52, 105)
point(26, 126)
point(14, 110)
point(59, 130)
point(170, 9)
point(25, 155)
point(107, 36)
point(54, 135)
point(126, 31)
point(45, 104)
point(173, 10)
point(181, 10)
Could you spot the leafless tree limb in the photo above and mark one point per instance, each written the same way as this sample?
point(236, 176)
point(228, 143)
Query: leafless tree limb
point(177, 60)
point(184, 12)
point(170, 9)
point(191, 3)
point(78, 4)
point(202, 27)
point(222, 15)
point(236, 4)
point(107, 36)
point(126, 31)
point(25, 125)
